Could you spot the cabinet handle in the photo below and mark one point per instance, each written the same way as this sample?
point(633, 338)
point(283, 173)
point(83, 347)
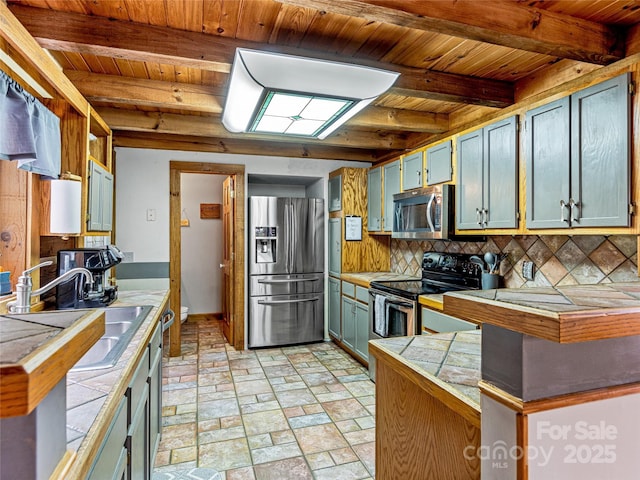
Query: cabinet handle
point(478, 217)
point(485, 217)
point(573, 204)
point(562, 207)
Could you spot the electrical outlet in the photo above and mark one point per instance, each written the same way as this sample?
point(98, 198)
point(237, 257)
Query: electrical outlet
point(528, 270)
point(151, 214)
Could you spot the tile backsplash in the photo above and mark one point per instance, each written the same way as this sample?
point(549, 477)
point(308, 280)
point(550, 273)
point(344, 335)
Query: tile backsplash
point(558, 259)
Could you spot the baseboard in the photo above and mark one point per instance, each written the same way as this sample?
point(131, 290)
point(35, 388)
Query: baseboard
point(197, 317)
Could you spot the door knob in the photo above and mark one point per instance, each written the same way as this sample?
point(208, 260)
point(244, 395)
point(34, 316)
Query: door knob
point(222, 265)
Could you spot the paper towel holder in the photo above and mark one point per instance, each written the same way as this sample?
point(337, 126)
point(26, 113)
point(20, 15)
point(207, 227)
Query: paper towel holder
point(65, 204)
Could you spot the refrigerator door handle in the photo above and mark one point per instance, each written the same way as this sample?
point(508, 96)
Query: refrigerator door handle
point(292, 241)
point(290, 280)
point(282, 302)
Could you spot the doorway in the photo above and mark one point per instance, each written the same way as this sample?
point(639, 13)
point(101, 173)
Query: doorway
point(236, 294)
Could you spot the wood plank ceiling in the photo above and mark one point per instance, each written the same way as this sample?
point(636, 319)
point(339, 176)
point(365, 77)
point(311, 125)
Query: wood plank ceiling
point(157, 70)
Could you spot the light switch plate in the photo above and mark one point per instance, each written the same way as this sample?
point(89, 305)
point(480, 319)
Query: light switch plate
point(528, 270)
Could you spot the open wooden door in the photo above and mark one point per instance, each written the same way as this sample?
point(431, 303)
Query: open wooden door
point(228, 222)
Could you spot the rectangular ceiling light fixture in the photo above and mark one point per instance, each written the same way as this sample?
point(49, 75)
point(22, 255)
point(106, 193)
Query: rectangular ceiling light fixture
point(288, 95)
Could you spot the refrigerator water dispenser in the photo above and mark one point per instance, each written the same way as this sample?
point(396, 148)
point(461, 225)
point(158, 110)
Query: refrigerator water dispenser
point(266, 239)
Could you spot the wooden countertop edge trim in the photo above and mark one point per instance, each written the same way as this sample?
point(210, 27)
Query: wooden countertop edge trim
point(431, 303)
point(62, 469)
point(27, 383)
point(481, 310)
point(563, 327)
point(565, 400)
point(355, 280)
point(91, 444)
point(432, 385)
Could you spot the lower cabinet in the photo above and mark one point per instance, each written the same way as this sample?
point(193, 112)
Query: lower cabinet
point(355, 320)
point(335, 324)
point(111, 462)
point(130, 445)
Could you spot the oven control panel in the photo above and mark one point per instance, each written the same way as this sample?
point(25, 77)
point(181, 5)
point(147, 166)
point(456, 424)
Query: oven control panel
point(450, 263)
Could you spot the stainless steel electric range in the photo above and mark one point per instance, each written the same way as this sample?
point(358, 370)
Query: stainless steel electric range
point(393, 305)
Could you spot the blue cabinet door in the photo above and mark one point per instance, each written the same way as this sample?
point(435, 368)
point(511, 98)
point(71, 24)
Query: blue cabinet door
point(362, 330)
point(600, 155)
point(391, 182)
point(374, 200)
point(500, 197)
point(349, 322)
point(335, 246)
point(335, 328)
point(412, 166)
point(548, 159)
point(469, 190)
point(438, 161)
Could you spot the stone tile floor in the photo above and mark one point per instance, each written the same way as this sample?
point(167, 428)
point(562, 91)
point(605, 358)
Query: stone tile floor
point(302, 412)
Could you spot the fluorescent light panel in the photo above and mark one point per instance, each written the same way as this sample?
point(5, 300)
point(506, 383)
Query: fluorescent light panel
point(289, 95)
point(297, 114)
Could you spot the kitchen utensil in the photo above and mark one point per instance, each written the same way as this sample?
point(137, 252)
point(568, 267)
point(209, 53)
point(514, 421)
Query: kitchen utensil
point(478, 261)
point(490, 258)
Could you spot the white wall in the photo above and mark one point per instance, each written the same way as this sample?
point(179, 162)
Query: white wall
point(142, 182)
point(201, 244)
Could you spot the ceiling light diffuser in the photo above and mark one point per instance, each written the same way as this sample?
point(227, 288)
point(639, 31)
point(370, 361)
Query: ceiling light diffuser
point(281, 94)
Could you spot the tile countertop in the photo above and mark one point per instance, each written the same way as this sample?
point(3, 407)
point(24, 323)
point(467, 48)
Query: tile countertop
point(93, 396)
point(448, 362)
point(363, 279)
point(568, 314)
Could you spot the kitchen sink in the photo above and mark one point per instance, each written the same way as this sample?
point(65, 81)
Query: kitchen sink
point(121, 324)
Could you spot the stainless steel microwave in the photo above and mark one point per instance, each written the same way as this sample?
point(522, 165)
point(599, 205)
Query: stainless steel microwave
point(425, 213)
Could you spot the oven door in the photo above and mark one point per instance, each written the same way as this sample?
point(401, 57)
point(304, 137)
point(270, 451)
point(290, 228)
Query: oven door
point(390, 315)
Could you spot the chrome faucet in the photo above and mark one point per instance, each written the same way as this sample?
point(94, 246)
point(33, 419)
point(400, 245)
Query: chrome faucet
point(22, 303)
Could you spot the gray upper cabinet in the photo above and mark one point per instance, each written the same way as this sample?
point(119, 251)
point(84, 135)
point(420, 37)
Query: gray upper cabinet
point(374, 199)
point(335, 193)
point(100, 200)
point(500, 199)
point(438, 167)
point(412, 166)
point(487, 187)
point(600, 155)
point(391, 187)
point(578, 159)
point(548, 163)
point(470, 181)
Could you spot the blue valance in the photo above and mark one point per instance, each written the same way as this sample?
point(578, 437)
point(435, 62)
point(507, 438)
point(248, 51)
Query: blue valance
point(29, 132)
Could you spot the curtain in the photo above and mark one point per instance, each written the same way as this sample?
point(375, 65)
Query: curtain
point(29, 132)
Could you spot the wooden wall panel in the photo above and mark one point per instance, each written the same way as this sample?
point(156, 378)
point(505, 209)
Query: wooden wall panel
point(13, 219)
point(417, 436)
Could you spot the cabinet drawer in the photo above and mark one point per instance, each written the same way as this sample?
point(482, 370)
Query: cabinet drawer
point(442, 323)
point(362, 294)
point(348, 289)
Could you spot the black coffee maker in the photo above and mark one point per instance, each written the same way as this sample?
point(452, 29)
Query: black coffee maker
point(76, 293)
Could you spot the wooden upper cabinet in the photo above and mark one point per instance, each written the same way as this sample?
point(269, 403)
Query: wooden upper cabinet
point(578, 159)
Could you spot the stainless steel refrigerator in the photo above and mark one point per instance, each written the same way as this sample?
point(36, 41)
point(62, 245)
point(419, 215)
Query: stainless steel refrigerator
point(286, 271)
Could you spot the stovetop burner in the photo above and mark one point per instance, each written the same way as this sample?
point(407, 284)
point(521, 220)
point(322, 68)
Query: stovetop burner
point(441, 272)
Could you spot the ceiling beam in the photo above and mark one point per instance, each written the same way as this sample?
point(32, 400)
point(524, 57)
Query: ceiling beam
point(198, 126)
point(507, 23)
point(101, 36)
point(199, 98)
point(241, 147)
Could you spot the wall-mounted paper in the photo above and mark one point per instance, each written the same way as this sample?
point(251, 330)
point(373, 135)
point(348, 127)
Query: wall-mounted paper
point(66, 203)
